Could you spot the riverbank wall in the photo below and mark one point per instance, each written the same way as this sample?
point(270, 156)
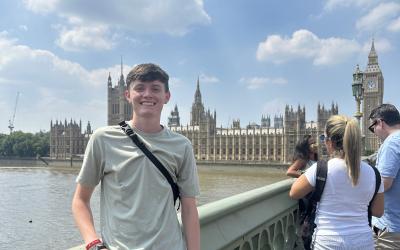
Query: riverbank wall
point(77, 163)
point(40, 162)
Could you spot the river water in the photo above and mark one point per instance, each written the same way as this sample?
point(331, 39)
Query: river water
point(35, 204)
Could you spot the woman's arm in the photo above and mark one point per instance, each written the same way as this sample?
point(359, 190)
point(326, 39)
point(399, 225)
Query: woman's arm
point(296, 167)
point(300, 188)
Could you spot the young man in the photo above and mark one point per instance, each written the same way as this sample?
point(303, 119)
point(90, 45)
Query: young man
point(137, 207)
point(385, 123)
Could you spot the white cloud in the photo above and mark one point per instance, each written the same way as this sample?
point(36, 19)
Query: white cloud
point(208, 79)
point(173, 17)
point(394, 25)
point(41, 6)
point(305, 44)
point(279, 81)
point(260, 82)
point(50, 86)
point(80, 38)
point(333, 4)
point(379, 17)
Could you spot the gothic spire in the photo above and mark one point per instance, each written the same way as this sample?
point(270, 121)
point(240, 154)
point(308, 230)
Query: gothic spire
point(373, 56)
point(373, 65)
point(197, 95)
point(121, 79)
point(109, 82)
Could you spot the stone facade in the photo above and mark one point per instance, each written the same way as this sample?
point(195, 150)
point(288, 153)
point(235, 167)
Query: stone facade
point(67, 139)
point(118, 108)
point(255, 143)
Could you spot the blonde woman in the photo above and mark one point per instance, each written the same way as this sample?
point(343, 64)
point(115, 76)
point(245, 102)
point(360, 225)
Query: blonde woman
point(342, 213)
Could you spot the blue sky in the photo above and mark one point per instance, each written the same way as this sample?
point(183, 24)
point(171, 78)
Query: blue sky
point(252, 57)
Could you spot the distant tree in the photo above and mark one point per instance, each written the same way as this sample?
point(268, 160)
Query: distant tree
point(20, 144)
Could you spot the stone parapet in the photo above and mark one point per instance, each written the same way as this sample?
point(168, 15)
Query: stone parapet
point(263, 218)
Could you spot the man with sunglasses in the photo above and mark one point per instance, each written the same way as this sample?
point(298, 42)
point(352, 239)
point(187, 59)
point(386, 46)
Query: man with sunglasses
point(385, 123)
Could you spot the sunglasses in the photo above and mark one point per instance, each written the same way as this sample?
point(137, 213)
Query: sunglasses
point(322, 137)
point(372, 126)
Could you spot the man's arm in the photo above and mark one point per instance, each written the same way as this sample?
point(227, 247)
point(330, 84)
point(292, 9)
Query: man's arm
point(82, 212)
point(387, 183)
point(190, 222)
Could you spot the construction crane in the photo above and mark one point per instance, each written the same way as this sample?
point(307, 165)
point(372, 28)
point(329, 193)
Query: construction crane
point(11, 121)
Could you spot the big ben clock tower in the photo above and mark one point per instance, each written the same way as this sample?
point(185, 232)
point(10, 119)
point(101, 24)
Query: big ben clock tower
point(373, 97)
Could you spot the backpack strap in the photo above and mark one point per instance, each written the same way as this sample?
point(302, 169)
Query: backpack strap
point(377, 185)
point(322, 170)
point(128, 131)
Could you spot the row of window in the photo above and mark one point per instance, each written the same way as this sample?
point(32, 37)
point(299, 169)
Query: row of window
point(243, 151)
point(115, 109)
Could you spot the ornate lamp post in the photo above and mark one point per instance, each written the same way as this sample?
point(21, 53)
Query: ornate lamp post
point(358, 92)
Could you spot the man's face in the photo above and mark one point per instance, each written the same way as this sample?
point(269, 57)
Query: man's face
point(147, 98)
point(377, 128)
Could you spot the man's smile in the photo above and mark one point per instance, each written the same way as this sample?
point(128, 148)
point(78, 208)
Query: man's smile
point(147, 103)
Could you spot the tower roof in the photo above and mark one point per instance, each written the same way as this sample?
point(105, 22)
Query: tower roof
point(197, 95)
point(372, 52)
point(121, 79)
point(373, 65)
point(109, 82)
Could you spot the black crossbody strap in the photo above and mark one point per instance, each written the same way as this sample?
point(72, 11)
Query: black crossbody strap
point(322, 170)
point(128, 131)
point(377, 185)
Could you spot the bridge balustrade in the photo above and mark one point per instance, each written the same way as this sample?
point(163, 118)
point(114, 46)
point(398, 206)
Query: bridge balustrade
point(260, 219)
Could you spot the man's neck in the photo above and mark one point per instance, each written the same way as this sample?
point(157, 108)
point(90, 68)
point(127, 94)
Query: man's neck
point(393, 129)
point(147, 126)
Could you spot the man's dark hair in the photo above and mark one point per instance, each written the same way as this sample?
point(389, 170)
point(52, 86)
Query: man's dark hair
point(386, 112)
point(148, 72)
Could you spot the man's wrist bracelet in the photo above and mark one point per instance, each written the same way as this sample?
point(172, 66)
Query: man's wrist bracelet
point(100, 246)
point(92, 244)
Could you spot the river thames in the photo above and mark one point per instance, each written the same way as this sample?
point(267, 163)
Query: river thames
point(35, 204)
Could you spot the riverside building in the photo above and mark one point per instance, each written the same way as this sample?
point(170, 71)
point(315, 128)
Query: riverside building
point(271, 141)
point(266, 142)
point(67, 139)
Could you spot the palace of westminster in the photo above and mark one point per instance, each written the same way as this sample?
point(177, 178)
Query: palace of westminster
point(266, 142)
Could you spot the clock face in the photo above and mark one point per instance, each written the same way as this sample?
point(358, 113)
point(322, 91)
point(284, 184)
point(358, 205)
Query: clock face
point(371, 84)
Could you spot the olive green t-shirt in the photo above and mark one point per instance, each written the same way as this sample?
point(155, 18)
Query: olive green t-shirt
point(136, 200)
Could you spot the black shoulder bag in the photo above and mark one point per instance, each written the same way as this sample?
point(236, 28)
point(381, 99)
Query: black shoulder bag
point(129, 132)
point(377, 185)
point(308, 205)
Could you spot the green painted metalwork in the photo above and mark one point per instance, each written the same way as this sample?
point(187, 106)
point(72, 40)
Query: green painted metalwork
point(260, 219)
point(263, 218)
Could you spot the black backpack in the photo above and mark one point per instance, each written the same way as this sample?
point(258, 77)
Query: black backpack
point(308, 205)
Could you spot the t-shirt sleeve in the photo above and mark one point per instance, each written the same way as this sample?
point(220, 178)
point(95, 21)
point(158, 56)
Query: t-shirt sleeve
point(93, 164)
point(188, 180)
point(381, 187)
point(310, 174)
point(389, 160)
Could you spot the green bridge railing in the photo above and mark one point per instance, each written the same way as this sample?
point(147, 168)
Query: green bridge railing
point(260, 219)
